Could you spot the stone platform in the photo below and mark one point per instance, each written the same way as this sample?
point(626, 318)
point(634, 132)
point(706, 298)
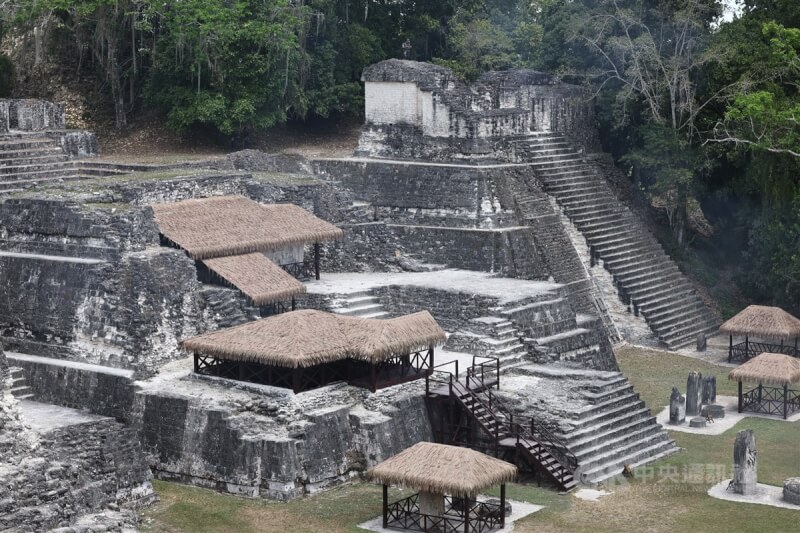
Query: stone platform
point(766, 495)
point(720, 425)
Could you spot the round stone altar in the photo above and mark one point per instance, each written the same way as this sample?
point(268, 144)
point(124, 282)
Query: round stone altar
point(697, 422)
point(791, 490)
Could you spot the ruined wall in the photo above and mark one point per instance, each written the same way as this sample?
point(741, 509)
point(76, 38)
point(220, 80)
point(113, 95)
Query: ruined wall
point(4, 116)
point(272, 448)
point(380, 246)
point(35, 115)
point(76, 470)
point(423, 194)
point(100, 391)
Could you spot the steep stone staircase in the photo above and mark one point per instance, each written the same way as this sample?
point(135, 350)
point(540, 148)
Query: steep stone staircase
point(361, 304)
point(19, 385)
point(615, 429)
point(524, 440)
point(643, 272)
point(31, 159)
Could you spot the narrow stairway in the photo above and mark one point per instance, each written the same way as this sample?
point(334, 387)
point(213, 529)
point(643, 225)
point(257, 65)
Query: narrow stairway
point(32, 159)
point(361, 304)
point(19, 385)
point(643, 272)
point(541, 450)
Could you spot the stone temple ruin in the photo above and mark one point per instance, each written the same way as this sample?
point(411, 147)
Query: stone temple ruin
point(485, 205)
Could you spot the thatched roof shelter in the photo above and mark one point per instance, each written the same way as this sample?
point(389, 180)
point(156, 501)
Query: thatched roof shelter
point(235, 225)
point(261, 280)
point(768, 369)
point(443, 469)
point(763, 321)
point(301, 339)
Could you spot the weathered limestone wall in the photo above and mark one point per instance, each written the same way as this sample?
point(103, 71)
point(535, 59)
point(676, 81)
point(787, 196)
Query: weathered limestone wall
point(272, 448)
point(419, 110)
point(378, 246)
point(4, 116)
point(76, 470)
point(35, 115)
point(95, 389)
point(435, 195)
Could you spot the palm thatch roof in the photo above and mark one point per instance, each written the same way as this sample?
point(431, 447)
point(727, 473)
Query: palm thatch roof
point(768, 369)
point(443, 469)
point(763, 321)
point(235, 225)
point(309, 337)
point(261, 280)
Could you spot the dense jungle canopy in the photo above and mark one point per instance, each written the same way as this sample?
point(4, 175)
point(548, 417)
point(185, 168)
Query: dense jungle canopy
point(700, 110)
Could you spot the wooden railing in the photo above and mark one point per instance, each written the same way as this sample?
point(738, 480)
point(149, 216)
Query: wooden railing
point(770, 401)
point(482, 517)
point(744, 351)
point(302, 270)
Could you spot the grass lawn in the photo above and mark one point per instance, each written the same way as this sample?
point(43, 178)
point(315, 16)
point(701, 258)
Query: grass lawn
point(667, 496)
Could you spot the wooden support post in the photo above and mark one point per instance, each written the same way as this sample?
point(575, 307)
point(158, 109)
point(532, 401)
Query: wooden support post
point(746, 348)
point(760, 390)
point(502, 506)
point(741, 400)
point(385, 506)
point(316, 260)
point(730, 348)
point(466, 514)
point(296, 380)
point(373, 377)
point(785, 401)
point(196, 363)
point(294, 304)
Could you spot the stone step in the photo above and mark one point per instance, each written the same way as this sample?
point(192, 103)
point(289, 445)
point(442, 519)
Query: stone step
point(673, 343)
point(657, 286)
point(377, 314)
point(562, 185)
point(596, 442)
point(576, 198)
point(613, 442)
point(37, 159)
point(633, 277)
point(23, 390)
point(613, 461)
point(667, 327)
point(621, 417)
point(667, 300)
point(598, 412)
point(646, 458)
point(607, 384)
point(565, 191)
point(623, 244)
point(689, 330)
point(358, 310)
point(360, 300)
point(679, 309)
point(598, 396)
point(565, 175)
point(27, 169)
point(27, 144)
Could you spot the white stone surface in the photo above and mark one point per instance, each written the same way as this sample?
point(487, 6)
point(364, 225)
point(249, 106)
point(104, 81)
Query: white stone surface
point(765, 495)
point(43, 417)
point(392, 103)
point(13, 356)
point(591, 495)
point(56, 258)
point(720, 425)
point(467, 281)
point(518, 510)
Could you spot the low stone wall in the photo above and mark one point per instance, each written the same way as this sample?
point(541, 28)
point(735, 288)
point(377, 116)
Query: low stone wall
point(452, 310)
point(97, 390)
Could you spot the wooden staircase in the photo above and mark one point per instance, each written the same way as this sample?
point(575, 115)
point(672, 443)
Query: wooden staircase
point(524, 440)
